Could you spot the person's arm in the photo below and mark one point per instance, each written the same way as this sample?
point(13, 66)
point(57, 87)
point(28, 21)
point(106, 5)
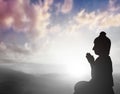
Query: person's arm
point(90, 59)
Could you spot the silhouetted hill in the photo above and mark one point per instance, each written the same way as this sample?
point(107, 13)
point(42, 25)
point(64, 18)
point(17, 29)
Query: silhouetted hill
point(117, 83)
point(13, 82)
point(16, 82)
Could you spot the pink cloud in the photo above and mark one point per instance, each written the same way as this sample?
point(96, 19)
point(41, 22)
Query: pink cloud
point(31, 19)
point(23, 16)
point(10, 11)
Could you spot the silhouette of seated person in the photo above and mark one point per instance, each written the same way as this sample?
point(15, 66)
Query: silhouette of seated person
point(101, 69)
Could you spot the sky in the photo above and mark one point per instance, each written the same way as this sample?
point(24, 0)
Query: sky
point(56, 31)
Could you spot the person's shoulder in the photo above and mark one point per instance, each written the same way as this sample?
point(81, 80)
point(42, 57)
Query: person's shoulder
point(103, 59)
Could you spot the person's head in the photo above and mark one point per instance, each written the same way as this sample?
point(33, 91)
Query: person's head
point(102, 44)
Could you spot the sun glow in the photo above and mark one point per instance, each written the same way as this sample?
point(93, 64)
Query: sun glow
point(70, 50)
point(77, 70)
point(76, 65)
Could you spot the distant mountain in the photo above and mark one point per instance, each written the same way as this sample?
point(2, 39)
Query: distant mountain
point(13, 82)
point(16, 82)
point(35, 68)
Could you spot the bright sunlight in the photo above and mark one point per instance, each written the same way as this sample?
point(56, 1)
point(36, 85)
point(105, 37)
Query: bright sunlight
point(71, 55)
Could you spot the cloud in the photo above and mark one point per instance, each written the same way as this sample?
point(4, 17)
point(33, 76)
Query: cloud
point(2, 46)
point(100, 20)
point(13, 52)
point(33, 20)
point(67, 6)
point(63, 7)
point(96, 20)
point(10, 11)
point(30, 19)
point(113, 5)
point(23, 16)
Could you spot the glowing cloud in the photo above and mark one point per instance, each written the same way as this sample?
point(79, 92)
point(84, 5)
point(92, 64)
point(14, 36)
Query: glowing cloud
point(10, 11)
point(67, 6)
point(93, 20)
point(23, 16)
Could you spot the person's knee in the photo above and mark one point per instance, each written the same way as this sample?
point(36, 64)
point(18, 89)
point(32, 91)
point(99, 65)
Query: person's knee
point(80, 85)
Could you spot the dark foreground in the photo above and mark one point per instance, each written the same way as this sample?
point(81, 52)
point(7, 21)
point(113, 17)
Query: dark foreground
point(15, 82)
